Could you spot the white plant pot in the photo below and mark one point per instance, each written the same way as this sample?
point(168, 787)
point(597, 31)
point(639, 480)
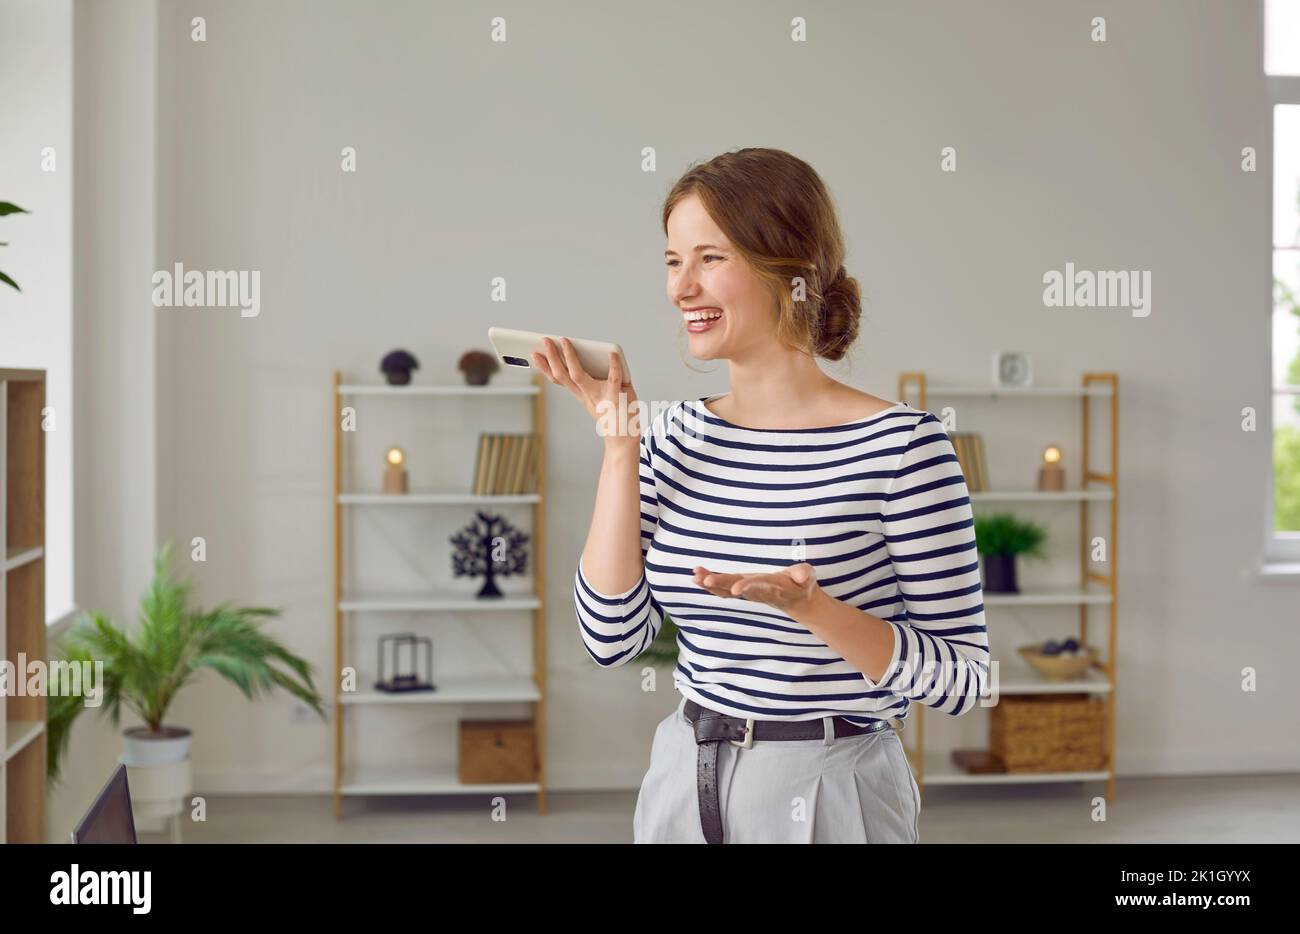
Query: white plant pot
point(142, 748)
point(159, 792)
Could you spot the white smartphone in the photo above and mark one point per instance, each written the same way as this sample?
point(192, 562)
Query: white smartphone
point(515, 348)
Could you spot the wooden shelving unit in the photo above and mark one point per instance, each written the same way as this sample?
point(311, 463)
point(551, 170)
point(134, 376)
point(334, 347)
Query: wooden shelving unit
point(1094, 588)
point(22, 612)
point(378, 779)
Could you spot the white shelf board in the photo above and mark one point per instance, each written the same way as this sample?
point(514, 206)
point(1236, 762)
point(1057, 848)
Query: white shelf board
point(1062, 597)
point(450, 389)
point(1279, 570)
point(18, 733)
point(956, 389)
point(1016, 677)
point(372, 780)
point(941, 770)
point(1043, 496)
point(487, 690)
point(420, 601)
point(436, 499)
point(16, 556)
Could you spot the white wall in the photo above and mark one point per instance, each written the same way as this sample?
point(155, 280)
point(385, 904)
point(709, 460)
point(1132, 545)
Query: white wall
point(523, 160)
point(36, 324)
point(115, 78)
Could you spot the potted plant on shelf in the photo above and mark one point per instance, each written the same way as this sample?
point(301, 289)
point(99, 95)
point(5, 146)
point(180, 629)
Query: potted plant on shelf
point(478, 367)
point(1000, 538)
point(145, 671)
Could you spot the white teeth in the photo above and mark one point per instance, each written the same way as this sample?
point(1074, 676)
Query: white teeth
point(702, 315)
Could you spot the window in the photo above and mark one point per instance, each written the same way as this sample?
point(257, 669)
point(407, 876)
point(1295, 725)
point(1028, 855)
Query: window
point(1282, 70)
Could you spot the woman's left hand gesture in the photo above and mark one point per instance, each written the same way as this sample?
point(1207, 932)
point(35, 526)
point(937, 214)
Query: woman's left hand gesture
point(789, 589)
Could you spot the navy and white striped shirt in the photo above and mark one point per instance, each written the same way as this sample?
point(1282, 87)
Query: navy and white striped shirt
point(880, 508)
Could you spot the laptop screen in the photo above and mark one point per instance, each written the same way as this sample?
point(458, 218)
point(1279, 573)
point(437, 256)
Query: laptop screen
point(109, 819)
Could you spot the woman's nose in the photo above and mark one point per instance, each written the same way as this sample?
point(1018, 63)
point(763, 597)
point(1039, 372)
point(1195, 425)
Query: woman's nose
point(683, 285)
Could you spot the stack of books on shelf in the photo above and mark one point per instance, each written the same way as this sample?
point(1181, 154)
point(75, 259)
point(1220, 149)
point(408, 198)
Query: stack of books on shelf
point(970, 454)
point(507, 463)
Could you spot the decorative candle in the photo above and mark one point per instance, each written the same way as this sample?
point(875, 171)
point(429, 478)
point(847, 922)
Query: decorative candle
point(395, 473)
point(1051, 476)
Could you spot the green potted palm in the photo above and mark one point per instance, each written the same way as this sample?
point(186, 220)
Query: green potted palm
point(8, 207)
point(1000, 538)
point(173, 643)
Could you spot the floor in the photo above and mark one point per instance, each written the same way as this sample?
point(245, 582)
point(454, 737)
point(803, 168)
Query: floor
point(1201, 809)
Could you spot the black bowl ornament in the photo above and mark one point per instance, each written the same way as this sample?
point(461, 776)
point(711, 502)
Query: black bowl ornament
point(397, 367)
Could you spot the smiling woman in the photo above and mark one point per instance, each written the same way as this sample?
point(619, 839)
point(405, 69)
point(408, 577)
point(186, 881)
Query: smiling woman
point(814, 544)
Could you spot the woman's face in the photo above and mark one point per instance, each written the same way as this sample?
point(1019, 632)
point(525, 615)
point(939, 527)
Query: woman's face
point(705, 273)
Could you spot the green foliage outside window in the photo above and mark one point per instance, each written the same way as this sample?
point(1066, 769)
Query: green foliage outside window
point(1286, 438)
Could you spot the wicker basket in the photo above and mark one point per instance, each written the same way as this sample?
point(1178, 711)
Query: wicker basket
point(498, 751)
point(1048, 732)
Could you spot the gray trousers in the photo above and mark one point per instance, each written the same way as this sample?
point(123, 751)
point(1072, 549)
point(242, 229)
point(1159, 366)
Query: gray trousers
point(850, 789)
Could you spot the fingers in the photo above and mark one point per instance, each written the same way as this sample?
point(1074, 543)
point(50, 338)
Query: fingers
point(620, 390)
point(543, 360)
point(779, 589)
point(540, 362)
point(577, 372)
point(720, 591)
point(704, 579)
point(557, 371)
point(615, 371)
point(702, 574)
point(717, 584)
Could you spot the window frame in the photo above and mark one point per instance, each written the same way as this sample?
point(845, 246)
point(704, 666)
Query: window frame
point(1281, 549)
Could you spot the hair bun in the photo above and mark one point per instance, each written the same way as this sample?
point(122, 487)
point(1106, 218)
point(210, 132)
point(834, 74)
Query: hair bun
point(837, 280)
point(840, 311)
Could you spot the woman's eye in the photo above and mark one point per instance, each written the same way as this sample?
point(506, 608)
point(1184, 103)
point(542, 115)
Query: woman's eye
point(674, 262)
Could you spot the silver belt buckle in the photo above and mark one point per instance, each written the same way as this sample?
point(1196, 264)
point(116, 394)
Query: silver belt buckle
point(748, 741)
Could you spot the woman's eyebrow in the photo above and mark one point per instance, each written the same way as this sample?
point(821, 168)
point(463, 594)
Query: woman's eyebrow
point(701, 246)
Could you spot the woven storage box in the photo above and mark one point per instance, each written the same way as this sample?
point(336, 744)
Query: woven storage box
point(497, 751)
point(1048, 732)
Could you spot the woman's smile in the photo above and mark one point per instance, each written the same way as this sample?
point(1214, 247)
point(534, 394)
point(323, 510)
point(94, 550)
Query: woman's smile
point(699, 320)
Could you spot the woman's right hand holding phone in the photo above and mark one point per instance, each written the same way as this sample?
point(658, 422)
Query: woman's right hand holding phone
point(611, 402)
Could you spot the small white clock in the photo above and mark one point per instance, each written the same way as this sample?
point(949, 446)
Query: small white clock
point(1012, 370)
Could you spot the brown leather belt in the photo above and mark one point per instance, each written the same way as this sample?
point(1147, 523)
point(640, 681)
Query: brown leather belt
point(712, 728)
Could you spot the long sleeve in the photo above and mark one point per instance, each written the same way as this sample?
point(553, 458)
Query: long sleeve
point(616, 628)
point(941, 653)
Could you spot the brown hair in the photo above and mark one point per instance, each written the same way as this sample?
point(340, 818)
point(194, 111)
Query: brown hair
point(776, 211)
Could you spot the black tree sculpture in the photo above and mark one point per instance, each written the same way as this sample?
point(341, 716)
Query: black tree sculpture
point(490, 546)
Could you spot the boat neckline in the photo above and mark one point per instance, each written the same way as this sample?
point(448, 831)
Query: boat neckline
point(702, 409)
